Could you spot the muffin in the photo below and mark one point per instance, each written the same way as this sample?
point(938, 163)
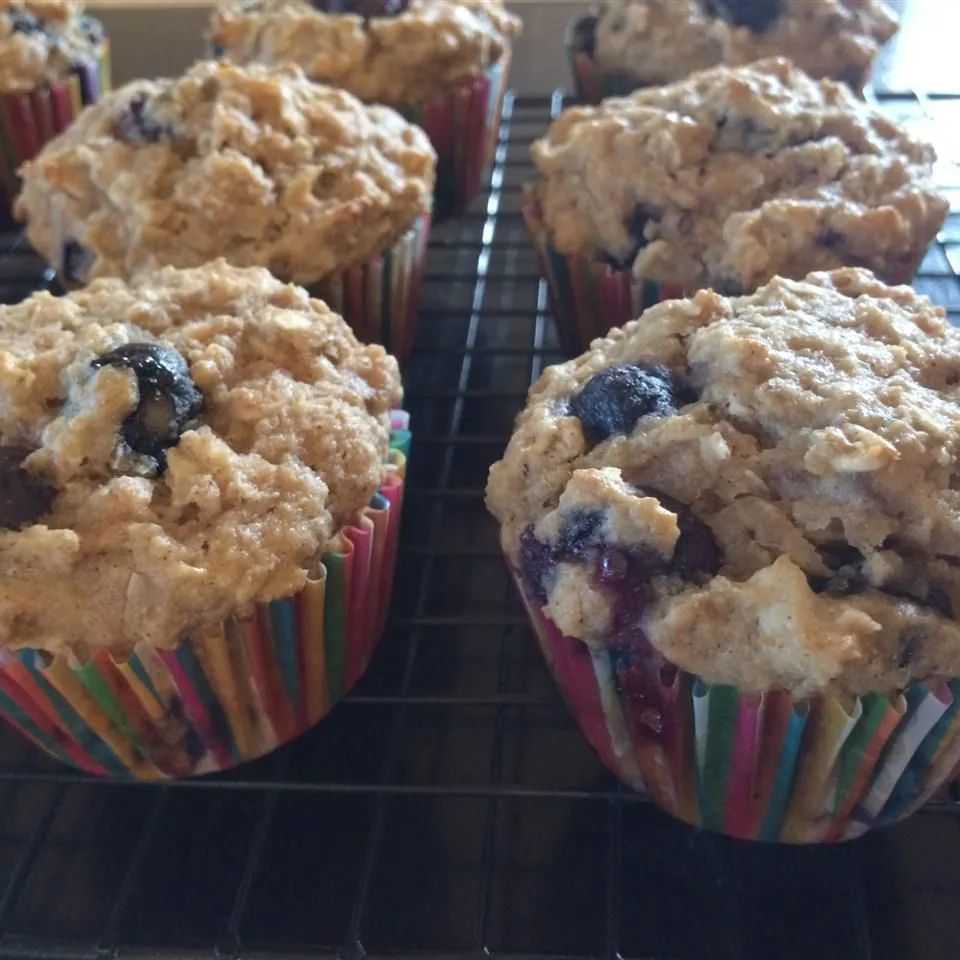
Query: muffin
point(199, 511)
point(736, 528)
point(442, 63)
point(53, 59)
point(626, 44)
point(727, 179)
point(254, 164)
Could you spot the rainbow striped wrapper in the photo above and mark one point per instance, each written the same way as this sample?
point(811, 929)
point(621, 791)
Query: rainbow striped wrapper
point(588, 296)
point(463, 126)
point(29, 120)
point(591, 83)
point(232, 694)
point(757, 766)
point(380, 299)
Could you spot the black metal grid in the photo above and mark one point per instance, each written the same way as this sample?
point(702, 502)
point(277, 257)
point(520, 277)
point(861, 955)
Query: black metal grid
point(450, 808)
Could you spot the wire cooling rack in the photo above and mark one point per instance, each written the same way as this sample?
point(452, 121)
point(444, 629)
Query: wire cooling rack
point(450, 808)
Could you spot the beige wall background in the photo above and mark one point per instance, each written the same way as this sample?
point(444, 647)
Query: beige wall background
point(160, 37)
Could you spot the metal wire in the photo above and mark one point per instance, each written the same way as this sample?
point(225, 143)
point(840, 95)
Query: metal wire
point(450, 807)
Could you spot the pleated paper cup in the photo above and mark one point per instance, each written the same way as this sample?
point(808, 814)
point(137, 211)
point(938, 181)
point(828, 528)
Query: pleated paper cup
point(464, 126)
point(229, 695)
point(756, 766)
point(380, 299)
point(29, 120)
point(588, 295)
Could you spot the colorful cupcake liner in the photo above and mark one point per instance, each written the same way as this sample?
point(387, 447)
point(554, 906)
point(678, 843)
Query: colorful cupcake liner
point(380, 299)
point(588, 296)
point(591, 83)
point(29, 120)
point(757, 767)
point(234, 693)
point(463, 126)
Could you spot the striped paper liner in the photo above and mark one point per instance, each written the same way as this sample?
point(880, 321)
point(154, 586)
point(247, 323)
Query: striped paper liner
point(463, 126)
point(380, 299)
point(757, 766)
point(231, 694)
point(29, 120)
point(588, 296)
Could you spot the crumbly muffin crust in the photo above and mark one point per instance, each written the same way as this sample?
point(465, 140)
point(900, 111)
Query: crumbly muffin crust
point(779, 481)
point(660, 41)
point(404, 59)
point(737, 175)
point(42, 41)
point(103, 545)
point(257, 165)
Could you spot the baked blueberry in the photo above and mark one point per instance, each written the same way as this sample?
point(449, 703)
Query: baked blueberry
point(137, 124)
point(635, 226)
point(536, 561)
point(169, 399)
point(578, 533)
point(75, 261)
point(613, 400)
point(757, 15)
point(23, 497)
point(585, 34)
point(364, 8)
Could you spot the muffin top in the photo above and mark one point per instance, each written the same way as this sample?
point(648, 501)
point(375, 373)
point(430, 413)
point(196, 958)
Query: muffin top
point(391, 51)
point(736, 175)
point(257, 165)
point(659, 41)
point(763, 488)
point(175, 451)
point(42, 41)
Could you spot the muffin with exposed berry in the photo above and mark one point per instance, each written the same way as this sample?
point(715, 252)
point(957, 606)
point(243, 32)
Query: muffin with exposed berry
point(735, 525)
point(626, 44)
point(53, 59)
point(198, 509)
point(441, 63)
point(726, 179)
point(254, 164)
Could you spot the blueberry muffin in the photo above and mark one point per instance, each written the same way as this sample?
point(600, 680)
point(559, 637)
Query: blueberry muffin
point(442, 63)
point(627, 44)
point(53, 58)
point(752, 496)
point(727, 179)
point(178, 457)
point(254, 164)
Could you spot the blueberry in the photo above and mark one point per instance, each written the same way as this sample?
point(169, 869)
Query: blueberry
point(846, 577)
point(75, 261)
point(26, 23)
point(585, 34)
point(757, 15)
point(363, 8)
point(136, 124)
point(696, 551)
point(23, 498)
point(635, 226)
point(578, 533)
point(939, 600)
point(169, 399)
point(613, 400)
point(536, 562)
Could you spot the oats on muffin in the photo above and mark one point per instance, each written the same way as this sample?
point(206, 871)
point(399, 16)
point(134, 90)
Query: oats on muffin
point(763, 488)
point(398, 52)
point(173, 452)
point(254, 164)
point(660, 41)
point(734, 176)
